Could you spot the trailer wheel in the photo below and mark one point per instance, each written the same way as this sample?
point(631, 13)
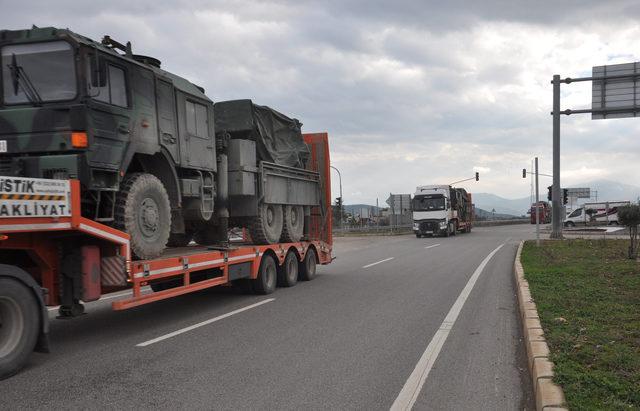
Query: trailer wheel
point(288, 271)
point(307, 268)
point(267, 276)
point(19, 322)
point(266, 228)
point(143, 211)
point(293, 227)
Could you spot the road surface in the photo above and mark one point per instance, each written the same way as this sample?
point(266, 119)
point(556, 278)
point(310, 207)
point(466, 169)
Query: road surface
point(396, 322)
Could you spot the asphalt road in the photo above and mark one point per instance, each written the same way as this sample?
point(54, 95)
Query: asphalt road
point(350, 339)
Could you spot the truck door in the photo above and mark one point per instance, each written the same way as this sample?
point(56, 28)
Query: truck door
point(196, 133)
point(167, 118)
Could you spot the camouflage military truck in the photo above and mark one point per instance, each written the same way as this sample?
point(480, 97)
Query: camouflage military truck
point(140, 140)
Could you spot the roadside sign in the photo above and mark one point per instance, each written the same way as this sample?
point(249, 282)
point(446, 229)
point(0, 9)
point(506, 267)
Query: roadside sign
point(34, 197)
point(399, 203)
point(579, 192)
point(612, 96)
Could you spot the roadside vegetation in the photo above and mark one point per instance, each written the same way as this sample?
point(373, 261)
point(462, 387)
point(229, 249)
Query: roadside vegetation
point(588, 298)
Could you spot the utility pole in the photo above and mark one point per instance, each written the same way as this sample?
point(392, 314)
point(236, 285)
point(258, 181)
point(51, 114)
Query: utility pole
point(556, 199)
point(537, 207)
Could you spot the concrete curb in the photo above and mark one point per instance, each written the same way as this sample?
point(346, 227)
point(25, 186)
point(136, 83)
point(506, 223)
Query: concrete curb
point(549, 396)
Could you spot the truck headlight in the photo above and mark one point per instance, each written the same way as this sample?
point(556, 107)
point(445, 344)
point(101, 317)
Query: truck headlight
point(416, 226)
point(443, 224)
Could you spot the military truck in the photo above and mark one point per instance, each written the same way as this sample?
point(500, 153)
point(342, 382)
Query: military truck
point(143, 145)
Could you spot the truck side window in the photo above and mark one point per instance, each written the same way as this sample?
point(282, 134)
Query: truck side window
point(197, 119)
point(115, 91)
point(117, 86)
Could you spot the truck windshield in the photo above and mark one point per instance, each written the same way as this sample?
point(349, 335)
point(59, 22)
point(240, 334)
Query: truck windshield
point(428, 203)
point(38, 72)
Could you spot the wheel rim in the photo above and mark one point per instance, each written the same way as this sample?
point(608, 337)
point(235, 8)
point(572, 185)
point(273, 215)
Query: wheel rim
point(11, 326)
point(149, 217)
point(294, 216)
point(270, 216)
point(311, 264)
point(270, 275)
point(292, 269)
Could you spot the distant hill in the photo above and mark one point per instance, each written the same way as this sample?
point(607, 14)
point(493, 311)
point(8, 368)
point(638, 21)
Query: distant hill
point(488, 215)
point(514, 207)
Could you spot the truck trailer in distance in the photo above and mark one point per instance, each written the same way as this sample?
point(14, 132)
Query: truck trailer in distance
point(544, 209)
point(441, 210)
point(595, 213)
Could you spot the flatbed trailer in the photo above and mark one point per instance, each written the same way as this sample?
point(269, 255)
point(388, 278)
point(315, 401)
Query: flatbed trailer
point(66, 259)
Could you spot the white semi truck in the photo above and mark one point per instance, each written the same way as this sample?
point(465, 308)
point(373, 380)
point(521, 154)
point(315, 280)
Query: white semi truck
point(441, 210)
point(595, 213)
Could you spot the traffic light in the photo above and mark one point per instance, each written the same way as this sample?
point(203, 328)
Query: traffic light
point(339, 203)
point(524, 173)
point(477, 176)
point(549, 196)
point(565, 195)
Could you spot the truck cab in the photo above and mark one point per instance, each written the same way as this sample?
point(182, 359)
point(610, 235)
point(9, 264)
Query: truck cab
point(432, 212)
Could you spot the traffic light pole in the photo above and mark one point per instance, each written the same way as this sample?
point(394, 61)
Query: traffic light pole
point(341, 200)
point(556, 201)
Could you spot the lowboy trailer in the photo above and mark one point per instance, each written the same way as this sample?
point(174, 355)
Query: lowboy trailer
point(51, 255)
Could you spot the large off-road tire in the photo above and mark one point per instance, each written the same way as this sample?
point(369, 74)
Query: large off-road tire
point(267, 278)
point(307, 268)
point(293, 227)
point(266, 228)
point(288, 271)
point(144, 212)
point(19, 325)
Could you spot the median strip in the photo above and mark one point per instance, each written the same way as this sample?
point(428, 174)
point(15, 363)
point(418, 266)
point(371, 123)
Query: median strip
point(378, 262)
point(203, 323)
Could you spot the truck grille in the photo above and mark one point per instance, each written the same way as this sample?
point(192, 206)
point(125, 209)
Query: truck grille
point(5, 166)
point(428, 226)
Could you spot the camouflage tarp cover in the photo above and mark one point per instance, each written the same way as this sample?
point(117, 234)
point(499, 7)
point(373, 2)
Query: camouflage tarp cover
point(278, 138)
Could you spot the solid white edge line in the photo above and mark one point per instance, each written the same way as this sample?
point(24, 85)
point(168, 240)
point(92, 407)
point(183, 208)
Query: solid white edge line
point(431, 246)
point(411, 389)
point(378, 262)
point(203, 323)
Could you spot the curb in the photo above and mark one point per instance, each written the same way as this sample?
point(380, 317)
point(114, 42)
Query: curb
point(549, 396)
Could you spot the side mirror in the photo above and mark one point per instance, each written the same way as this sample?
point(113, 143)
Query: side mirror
point(98, 71)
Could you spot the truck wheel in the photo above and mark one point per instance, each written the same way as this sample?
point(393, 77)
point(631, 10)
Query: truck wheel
point(143, 211)
point(293, 227)
point(288, 271)
point(418, 235)
point(266, 228)
point(19, 323)
point(446, 231)
point(267, 276)
point(307, 268)
point(454, 229)
point(180, 239)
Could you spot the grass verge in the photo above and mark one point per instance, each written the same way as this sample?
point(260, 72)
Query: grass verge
point(588, 298)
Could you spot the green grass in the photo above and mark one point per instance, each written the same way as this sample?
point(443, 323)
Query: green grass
point(588, 298)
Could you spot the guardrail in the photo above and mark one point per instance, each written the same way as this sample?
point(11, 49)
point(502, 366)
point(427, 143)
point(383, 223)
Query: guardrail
point(407, 228)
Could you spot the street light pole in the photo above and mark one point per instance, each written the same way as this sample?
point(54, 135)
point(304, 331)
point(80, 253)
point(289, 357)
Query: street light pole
point(341, 199)
point(556, 204)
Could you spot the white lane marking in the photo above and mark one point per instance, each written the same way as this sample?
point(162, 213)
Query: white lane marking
point(107, 297)
point(203, 323)
point(378, 262)
point(409, 393)
point(431, 246)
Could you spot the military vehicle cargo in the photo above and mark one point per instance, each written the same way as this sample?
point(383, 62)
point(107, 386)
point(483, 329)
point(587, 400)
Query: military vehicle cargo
point(142, 142)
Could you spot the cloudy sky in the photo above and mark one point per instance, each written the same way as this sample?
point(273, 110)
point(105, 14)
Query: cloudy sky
point(411, 92)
